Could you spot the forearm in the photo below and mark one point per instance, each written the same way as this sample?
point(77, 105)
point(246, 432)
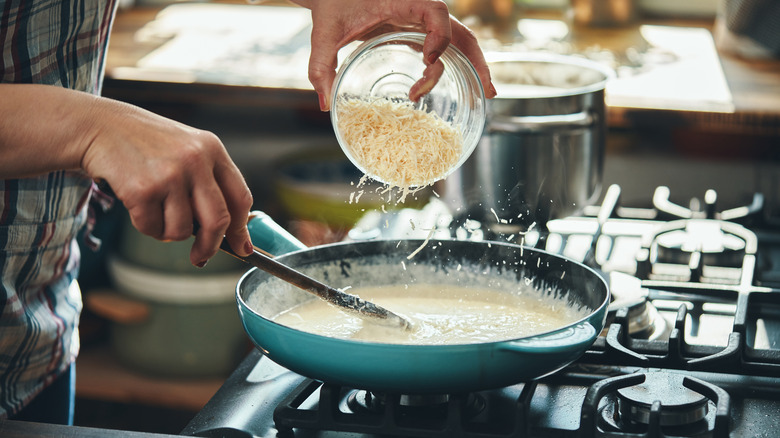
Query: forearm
point(168, 175)
point(42, 128)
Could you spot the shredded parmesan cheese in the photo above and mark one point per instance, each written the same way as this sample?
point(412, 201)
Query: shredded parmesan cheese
point(425, 242)
point(396, 143)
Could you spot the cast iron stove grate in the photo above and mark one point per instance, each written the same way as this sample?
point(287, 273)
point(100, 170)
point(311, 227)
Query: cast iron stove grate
point(648, 403)
point(447, 416)
point(719, 347)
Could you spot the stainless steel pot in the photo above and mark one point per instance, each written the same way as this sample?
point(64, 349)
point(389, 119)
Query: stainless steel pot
point(541, 155)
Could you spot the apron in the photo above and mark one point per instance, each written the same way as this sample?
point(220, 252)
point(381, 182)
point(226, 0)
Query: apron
point(59, 43)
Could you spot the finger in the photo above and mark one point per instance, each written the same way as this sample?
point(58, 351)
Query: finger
point(465, 40)
point(434, 16)
point(147, 218)
point(238, 199)
point(211, 212)
point(144, 206)
point(177, 215)
point(322, 66)
point(430, 77)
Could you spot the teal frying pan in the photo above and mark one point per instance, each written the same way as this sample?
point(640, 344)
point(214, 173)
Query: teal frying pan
point(417, 369)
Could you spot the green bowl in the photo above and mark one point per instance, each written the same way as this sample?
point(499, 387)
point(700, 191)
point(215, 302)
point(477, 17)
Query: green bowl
point(322, 186)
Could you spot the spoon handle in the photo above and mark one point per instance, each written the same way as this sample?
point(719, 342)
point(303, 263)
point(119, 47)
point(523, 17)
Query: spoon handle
point(334, 296)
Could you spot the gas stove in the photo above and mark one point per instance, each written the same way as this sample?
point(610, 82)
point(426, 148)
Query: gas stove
point(691, 347)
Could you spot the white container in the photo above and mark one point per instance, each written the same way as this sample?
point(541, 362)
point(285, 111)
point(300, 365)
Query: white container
point(191, 327)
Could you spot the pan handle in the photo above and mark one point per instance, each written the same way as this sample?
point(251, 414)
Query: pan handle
point(269, 236)
point(576, 337)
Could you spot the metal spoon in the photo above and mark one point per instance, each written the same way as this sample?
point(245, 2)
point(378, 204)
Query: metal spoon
point(351, 303)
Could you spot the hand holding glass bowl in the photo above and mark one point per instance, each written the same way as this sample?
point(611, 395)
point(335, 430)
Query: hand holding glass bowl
point(388, 136)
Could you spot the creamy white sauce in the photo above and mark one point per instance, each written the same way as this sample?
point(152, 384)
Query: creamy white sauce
point(440, 314)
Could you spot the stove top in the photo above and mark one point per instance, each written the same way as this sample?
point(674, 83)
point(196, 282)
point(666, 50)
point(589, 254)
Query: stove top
point(691, 347)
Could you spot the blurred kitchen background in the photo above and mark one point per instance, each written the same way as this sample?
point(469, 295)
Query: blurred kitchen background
point(695, 105)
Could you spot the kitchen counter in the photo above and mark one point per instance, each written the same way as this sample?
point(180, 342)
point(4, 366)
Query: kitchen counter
point(669, 71)
point(23, 429)
point(682, 115)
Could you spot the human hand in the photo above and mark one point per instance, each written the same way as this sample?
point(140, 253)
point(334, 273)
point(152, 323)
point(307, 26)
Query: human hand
point(169, 176)
point(336, 23)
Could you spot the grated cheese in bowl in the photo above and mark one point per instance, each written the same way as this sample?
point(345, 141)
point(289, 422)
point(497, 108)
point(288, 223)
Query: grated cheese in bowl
point(392, 139)
point(396, 143)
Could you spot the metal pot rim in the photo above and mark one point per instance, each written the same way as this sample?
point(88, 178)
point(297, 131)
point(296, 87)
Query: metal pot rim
point(550, 58)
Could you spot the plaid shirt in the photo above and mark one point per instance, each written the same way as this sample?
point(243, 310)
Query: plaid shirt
point(62, 43)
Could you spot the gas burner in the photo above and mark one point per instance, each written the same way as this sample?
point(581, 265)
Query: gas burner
point(697, 250)
point(679, 405)
point(423, 405)
point(658, 403)
point(708, 210)
point(644, 320)
point(676, 243)
point(318, 406)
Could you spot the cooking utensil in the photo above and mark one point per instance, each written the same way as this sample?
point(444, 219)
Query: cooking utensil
point(541, 155)
point(414, 369)
point(345, 301)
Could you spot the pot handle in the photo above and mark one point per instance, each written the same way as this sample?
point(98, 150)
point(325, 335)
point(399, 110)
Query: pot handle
point(270, 236)
point(535, 124)
point(572, 338)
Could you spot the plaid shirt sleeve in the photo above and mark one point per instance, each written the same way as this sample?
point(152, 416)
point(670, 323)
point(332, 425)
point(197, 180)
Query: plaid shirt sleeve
point(61, 43)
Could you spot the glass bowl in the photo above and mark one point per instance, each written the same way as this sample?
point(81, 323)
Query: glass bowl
point(385, 68)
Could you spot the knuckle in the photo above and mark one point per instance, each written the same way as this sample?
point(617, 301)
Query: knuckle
point(210, 140)
point(188, 157)
point(222, 222)
point(316, 75)
point(177, 235)
point(143, 223)
point(141, 191)
point(318, 71)
point(217, 224)
point(245, 200)
point(439, 6)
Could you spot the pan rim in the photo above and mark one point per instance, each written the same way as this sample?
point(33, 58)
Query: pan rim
point(414, 243)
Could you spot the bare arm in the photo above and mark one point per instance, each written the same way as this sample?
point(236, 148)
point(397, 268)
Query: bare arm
point(167, 174)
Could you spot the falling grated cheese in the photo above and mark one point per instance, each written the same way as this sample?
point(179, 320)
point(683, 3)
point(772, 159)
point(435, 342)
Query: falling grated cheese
point(425, 242)
point(396, 143)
